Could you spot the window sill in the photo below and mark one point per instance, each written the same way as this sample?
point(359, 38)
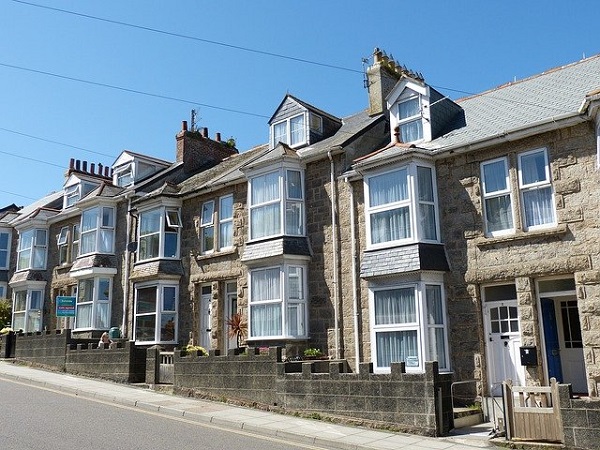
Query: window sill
point(205, 256)
point(558, 230)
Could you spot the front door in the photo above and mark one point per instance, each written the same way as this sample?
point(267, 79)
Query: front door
point(560, 313)
point(230, 310)
point(503, 344)
point(204, 319)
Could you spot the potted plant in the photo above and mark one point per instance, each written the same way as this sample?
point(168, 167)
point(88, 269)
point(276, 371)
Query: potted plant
point(194, 350)
point(313, 353)
point(237, 328)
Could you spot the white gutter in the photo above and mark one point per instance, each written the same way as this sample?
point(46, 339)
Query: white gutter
point(354, 280)
point(334, 244)
point(124, 333)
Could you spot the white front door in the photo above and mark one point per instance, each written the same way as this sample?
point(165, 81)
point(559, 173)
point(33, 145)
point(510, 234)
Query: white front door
point(230, 310)
point(503, 342)
point(571, 344)
point(205, 311)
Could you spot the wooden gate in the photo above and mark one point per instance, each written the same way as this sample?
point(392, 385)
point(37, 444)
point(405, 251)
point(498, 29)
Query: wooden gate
point(165, 368)
point(533, 412)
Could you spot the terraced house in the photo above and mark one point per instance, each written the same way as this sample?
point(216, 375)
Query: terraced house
point(420, 229)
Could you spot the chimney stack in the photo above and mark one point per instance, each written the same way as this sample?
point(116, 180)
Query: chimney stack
point(199, 152)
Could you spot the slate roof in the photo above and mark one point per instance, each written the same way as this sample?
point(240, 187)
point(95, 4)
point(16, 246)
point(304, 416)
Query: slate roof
point(541, 98)
point(409, 258)
point(276, 247)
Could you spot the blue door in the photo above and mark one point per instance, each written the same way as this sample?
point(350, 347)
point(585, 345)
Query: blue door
point(551, 339)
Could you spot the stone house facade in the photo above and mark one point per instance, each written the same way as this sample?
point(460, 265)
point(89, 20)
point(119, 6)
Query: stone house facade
point(419, 229)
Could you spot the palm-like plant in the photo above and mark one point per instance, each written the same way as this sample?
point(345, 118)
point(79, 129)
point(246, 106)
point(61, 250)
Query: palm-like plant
point(237, 328)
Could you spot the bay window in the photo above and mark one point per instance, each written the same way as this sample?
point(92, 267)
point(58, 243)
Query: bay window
point(32, 250)
point(408, 325)
point(97, 230)
point(537, 198)
point(93, 303)
point(278, 306)
point(276, 204)
point(402, 206)
point(28, 308)
point(158, 232)
point(156, 313)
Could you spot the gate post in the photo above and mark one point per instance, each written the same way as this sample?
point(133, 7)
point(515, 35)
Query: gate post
point(509, 400)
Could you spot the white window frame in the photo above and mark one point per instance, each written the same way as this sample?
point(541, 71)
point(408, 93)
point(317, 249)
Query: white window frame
point(289, 205)
point(36, 245)
point(169, 224)
point(288, 137)
point(30, 311)
point(159, 313)
point(207, 227)
point(100, 304)
point(3, 291)
point(293, 309)
point(5, 249)
point(72, 195)
point(104, 226)
point(415, 118)
point(421, 326)
point(414, 203)
point(62, 242)
point(225, 224)
point(525, 188)
point(490, 195)
point(124, 176)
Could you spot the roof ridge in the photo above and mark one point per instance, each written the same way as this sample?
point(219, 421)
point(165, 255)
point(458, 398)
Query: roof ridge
point(526, 79)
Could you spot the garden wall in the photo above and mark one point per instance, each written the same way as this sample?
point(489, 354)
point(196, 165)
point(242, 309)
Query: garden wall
point(581, 422)
point(43, 349)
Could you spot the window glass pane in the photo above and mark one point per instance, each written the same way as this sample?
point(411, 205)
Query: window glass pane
point(533, 167)
point(34, 321)
point(297, 130)
point(295, 319)
point(108, 217)
point(411, 131)
point(388, 188)
point(146, 300)
point(106, 241)
point(498, 213)
point(293, 218)
point(84, 315)
point(427, 221)
point(265, 284)
point(20, 301)
point(437, 346)
point(390, 225)
point(294, 184)
point(226, 207)
point(266, 320)
point(85, 291)
point(145, 327)
point(169, 298)
point(280, 133)
point(150, 222)
point(265, 220)
point(539, 207)
point(102, 315)
point(208, 239)
point(409, 108)
point(395, 306)
point(19, 321)
point(149, 246)
point(226, 234)
point(89, 220)
point(173, 219)
point(208, 209)
point(435, 308)
point(171, 242)
point(167, 327)
point(425, 182)
point(494, 176)
point(565, 284)
point(500, 292)
point(36, 300)
point(104, 289)
point(397, 346)
point(265, 188)
point(295, 281)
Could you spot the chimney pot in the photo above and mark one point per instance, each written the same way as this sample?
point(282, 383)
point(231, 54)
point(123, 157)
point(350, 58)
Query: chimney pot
point(92, 168)
point(184, 125)
point(106, 171)
point(72, 163)
point(397, 135)
point(78, 165)
point(218, 137)
point(205, 132)
point(100, 169)
point(84, 166)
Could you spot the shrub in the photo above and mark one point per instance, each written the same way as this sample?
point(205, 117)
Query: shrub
point(193, 349)
point(5, 312)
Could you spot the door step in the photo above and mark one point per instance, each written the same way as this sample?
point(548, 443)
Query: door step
point(467, 417)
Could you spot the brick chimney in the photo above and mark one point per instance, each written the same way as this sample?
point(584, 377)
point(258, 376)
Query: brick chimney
point(198, 152)
point(382, 76)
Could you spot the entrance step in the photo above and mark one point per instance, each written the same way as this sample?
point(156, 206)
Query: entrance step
point(467, 417)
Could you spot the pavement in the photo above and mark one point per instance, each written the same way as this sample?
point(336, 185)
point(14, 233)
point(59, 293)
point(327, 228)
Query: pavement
point(293, 429)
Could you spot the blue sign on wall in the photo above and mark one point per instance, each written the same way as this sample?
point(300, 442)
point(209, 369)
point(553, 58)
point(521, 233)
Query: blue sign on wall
point(65, 306)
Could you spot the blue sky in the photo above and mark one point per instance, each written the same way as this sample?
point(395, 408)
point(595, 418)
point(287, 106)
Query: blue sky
point(72, 86)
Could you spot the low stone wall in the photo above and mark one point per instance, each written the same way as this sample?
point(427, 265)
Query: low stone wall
point(43, 349)
point(415, 403)
point(246, 378)
point(122, 362)
point(581, 422)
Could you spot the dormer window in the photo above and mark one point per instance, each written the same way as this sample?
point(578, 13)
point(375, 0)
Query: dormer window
point(409, 119)
point(123, 176)
point(75, 192)
point(291, 131)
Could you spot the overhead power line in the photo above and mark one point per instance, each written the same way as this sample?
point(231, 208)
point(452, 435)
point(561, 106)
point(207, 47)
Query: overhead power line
point(134, 91)
point(193, 38)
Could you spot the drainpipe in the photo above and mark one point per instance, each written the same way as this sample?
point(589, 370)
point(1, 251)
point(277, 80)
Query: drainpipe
point(127, 264)
point(334, 244)
point(354, 279)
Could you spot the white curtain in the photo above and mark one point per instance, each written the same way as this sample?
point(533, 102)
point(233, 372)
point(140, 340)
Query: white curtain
point(265, 220)
point(84, 315)
point(226, 234)
point(395, 306)
point(265, 188)
point(388, 188)
point(538, 206)
point(498, 213)
point(397, 346)
point(390, 225)
point(102, 312)
point(435, 322)
point(297, 130)
point(265, 319)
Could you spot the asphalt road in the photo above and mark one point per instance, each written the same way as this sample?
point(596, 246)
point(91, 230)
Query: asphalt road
point(33, 418)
